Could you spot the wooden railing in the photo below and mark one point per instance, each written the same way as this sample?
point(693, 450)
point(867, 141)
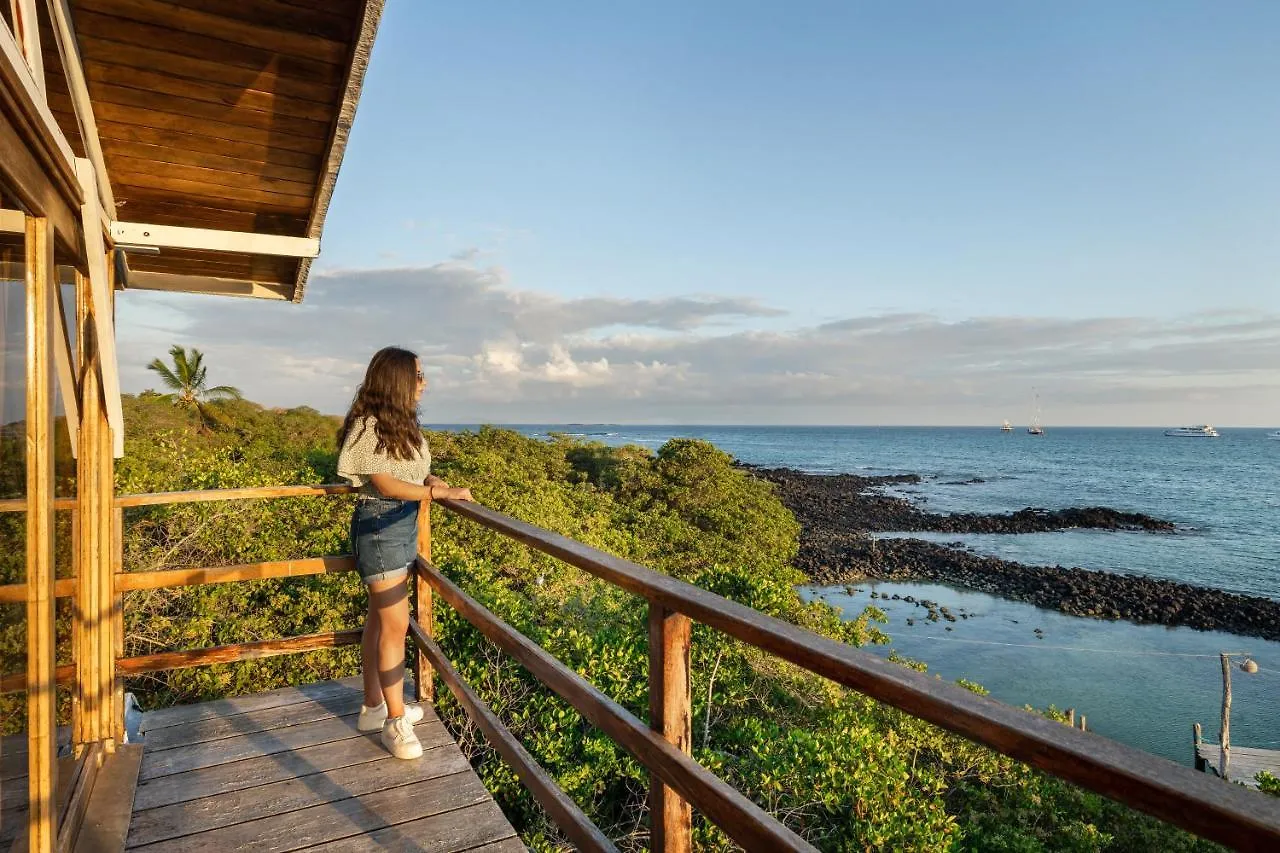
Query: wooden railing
point(1195, 801)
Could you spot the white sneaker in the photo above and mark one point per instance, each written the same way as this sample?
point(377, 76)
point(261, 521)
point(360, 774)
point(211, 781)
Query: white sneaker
point(371, 719)
point(399, 739)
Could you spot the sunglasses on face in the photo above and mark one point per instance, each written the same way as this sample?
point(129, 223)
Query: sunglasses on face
point(420, 376)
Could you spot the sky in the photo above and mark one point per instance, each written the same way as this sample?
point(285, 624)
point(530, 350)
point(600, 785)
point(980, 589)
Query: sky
point(805, 212)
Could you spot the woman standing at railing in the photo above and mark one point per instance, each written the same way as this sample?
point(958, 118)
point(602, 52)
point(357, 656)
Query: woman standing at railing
point(384, 454)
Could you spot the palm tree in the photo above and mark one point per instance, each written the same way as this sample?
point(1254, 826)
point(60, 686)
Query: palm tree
point(186, 380)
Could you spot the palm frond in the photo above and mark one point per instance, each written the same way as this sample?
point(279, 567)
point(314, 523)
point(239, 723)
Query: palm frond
point(167, 376)
point(228, 391)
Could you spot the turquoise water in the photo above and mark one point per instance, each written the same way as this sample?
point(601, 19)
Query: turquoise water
point(1136, 684)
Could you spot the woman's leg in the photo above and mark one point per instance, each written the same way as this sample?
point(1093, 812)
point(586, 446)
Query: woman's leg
point(389, 603)
point(369, 657)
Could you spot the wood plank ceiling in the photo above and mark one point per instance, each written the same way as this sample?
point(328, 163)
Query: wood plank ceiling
point(223, 114)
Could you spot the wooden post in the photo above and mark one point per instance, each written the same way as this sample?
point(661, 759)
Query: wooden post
point(1201, 764)
point(1224, 757)
point(670, 714)
point(94, 605)
point(1071, 717)
point(117, 605)
point(89, 546)
point(420, 591)
point(1083, 726)
point(41, 637)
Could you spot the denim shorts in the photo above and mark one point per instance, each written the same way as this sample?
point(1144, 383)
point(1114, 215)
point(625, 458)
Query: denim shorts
point(384, 538)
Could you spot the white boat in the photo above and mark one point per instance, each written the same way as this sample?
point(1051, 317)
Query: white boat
point(1201, 431)
point(1275, 434)
point(1035, 428)
point(1006, 427)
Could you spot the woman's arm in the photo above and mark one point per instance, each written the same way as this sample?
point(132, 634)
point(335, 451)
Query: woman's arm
point(390, 486)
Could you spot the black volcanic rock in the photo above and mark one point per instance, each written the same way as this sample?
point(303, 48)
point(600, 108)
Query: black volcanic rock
point(838, 514)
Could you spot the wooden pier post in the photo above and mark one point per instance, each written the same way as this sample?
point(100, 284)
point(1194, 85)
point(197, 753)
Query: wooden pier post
point(1201, 764)
point(671, 715)
point(1071, 717)
point(1224, 760)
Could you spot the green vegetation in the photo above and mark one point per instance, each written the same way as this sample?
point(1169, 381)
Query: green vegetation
point(844, 771)
point(1269, 783)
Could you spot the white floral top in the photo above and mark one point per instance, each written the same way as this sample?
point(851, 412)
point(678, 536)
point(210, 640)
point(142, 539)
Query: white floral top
point(359, 458)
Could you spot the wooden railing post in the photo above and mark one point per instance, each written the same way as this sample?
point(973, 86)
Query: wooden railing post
point(670, 714)
point(42, 650)
point(96, 613)
point(420, 593)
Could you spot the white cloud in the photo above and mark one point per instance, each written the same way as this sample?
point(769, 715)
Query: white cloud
point(495, 352)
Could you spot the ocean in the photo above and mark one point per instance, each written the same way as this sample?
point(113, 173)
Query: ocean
point(1141, 684)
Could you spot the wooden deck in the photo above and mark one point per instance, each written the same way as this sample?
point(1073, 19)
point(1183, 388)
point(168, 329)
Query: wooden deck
point(1246, 762)
point(287, 770)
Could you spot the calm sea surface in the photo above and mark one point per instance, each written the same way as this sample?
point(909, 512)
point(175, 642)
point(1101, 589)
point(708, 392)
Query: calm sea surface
point(1144, 685)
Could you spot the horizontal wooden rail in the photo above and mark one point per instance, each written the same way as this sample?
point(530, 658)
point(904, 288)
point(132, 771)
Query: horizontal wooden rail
point(20, 504)
point(16, 593)
point(1229, 814)
point(236, 652)
point(256, 492)
point(16, 681)
point(127, 581)
point(739, 818)
point(564, 812)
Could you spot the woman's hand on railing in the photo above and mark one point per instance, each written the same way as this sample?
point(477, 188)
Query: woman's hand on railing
point(438, 490)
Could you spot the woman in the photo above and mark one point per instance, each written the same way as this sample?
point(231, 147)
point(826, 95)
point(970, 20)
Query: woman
point(384, 455)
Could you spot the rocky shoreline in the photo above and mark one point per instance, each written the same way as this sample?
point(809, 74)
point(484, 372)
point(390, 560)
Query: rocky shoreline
point(839, 513)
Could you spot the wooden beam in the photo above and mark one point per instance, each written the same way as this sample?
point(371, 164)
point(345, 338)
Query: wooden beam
point(26, 28)
point(69, 51)
point(174, 237)
point(13, 222)
point(129, 581)
point(236, 652)
point(41, 629)
point(670, 715)
point(211, 285)
point(155, 498)
point(103, 314)
point(16, 593)
point(16, 682)
point(20, 504)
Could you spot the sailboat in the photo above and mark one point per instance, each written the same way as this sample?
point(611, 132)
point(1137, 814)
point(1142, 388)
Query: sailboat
point(1035, 428)
point(1006, 426)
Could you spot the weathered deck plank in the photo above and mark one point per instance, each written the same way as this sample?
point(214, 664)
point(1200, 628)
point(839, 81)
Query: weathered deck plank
point(303, 828)
point(266, 769)
point(450, 832)
point(300, 792)
point(106, 823)
point(289, 771)
point(1246, 762)
point(185, 714)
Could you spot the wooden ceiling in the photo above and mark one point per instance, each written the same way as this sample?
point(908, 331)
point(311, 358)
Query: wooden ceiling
point(220, 114)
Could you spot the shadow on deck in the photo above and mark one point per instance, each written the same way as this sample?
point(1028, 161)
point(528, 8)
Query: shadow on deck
point(287, 770)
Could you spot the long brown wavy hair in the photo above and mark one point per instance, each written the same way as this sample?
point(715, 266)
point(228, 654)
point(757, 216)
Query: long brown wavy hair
point(388, 394)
